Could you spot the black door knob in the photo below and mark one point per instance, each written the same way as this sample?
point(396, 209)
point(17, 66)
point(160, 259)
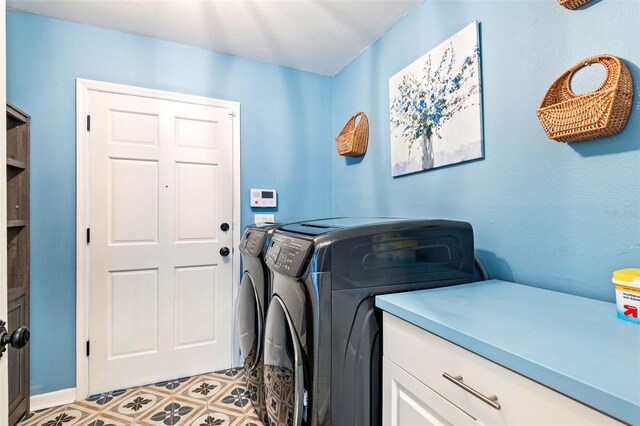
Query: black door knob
point(224, 227)
point(18, 339)
point(224, 251)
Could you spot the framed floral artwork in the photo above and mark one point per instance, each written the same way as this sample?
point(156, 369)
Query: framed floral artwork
point(435, 107)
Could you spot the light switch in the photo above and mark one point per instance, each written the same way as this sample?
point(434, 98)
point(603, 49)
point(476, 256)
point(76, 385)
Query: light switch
point(264, 218)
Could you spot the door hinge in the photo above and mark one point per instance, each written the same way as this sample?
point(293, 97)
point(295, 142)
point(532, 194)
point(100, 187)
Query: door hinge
point(88, 123)
point(88, 347)
point(88, 235)
point(232, 113)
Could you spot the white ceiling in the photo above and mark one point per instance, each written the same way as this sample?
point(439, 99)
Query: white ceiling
point(321, 36)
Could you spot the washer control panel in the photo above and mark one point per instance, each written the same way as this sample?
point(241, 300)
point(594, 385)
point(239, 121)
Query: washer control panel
point(253, 241)
point(264, 197)
point(288, 255)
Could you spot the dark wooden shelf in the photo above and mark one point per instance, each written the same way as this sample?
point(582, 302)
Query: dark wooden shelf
point(15, 163)
point(15, 223)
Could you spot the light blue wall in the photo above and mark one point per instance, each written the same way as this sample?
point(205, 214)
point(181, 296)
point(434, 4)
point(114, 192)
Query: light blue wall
point(544, 213)
point(547, 214)
point(286, 144)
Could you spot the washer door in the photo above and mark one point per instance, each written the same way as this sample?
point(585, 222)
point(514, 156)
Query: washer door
point(249, 323)
point(283, 368)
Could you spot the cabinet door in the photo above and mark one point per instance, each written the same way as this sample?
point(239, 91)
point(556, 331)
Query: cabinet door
point(408, 402)
point(18, 361)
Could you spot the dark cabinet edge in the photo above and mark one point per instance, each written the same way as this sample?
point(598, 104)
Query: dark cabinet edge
point(17, 112)
point(18, 291)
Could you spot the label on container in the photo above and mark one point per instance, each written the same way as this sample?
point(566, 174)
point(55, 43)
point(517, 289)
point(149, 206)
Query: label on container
point(628, 301)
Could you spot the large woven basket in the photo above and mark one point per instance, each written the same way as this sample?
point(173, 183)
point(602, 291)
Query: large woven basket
point(567, 117)
point(353, 139)
point(573, 4)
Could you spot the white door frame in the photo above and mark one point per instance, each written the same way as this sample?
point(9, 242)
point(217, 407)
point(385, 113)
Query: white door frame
point(83, 88)
point(4, 370)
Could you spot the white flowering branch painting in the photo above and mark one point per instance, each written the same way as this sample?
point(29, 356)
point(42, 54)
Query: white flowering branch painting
point(435, 107)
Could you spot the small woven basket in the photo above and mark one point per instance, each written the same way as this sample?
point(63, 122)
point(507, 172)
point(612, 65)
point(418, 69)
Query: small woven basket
point(572, 4)
point(352, 139)
point(567, 117)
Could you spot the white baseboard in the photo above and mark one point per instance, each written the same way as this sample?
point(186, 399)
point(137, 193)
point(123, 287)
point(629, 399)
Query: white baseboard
point(52, 399)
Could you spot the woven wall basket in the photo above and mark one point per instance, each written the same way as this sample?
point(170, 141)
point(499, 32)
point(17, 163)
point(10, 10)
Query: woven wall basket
point(573, 4)
point(567, 117)
point(353, 139)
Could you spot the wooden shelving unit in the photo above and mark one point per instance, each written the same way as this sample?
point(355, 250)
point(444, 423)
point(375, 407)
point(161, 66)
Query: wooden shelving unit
point(18, 255)
point(17, 164)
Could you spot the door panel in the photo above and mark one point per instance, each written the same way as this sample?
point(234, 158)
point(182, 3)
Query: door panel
point(134, 201)
point(134, 128)
point(134, 312)
point(160, 174)
point(195, 295)
point(197, 133)
point(196, 201)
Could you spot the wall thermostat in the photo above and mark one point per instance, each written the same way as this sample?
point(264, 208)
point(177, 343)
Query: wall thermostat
point(263, 197)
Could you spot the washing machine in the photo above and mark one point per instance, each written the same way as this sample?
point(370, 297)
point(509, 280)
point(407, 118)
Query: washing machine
point(322, 348)
point(252, 304)
point(253, 299)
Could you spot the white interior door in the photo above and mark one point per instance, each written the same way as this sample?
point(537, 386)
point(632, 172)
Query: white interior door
point(160, 187)
point(4, 371)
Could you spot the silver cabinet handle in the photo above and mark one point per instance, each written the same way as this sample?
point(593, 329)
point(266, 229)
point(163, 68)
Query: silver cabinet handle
point(457, 380)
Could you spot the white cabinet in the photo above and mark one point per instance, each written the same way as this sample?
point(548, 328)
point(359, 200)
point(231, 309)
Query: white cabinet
point(416, 391)
point(407, 401)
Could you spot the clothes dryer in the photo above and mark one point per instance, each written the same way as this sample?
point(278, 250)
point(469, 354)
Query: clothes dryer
point(322, 353)
point(252, 305)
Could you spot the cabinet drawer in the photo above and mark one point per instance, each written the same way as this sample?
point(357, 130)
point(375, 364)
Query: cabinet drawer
point(408, 402)
point(522, 401)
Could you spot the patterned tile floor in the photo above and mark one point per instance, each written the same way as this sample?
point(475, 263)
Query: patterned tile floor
point(219, 398)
